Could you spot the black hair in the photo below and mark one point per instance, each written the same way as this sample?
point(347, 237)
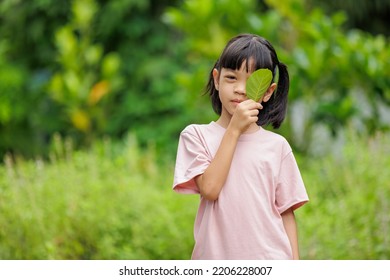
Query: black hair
point(260, 53)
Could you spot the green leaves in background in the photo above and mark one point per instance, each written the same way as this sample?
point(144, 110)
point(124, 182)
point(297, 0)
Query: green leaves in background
point(327, 64)
point(76, 68)
point(48, 209)
point(258, 83)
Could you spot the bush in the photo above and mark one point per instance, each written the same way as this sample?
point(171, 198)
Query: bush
point(87, 69)
point(116, 202)
point(108, 203)
point(348, 215)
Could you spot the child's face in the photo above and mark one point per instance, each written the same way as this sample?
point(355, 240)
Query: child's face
point(231, 85)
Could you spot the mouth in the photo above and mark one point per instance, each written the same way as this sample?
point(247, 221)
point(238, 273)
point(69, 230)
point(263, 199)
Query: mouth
point(237, 101)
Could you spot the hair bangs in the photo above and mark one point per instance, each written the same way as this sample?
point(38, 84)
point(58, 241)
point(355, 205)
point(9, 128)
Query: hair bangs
point(248, 50)
point(260, 57)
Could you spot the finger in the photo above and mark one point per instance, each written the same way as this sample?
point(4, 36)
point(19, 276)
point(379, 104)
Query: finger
point(254, 119)
point(256, 105)
point(254, 113)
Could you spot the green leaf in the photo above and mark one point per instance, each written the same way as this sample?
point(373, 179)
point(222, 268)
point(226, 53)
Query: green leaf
point(258, 83)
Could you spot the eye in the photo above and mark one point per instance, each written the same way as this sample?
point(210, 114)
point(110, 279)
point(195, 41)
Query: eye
point(230, 77)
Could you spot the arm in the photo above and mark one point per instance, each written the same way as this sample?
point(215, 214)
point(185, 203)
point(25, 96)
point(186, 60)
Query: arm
point(210, 183)
point(212, 180)
point(290, 226)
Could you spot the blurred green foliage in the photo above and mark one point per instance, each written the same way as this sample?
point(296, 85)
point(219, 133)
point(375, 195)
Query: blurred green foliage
point(347, 216)
point(337, 76)
point(74, 208)
point(124, 207)
point(27, 115)
point(370, 16)
point(93, 68)
point(91, 73)
point(85, 69)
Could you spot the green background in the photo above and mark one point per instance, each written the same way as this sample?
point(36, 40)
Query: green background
point(94, 94)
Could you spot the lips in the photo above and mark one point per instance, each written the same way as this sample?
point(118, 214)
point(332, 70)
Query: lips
point(236, 101)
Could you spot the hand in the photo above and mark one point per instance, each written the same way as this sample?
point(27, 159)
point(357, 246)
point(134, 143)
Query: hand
point(245, 115)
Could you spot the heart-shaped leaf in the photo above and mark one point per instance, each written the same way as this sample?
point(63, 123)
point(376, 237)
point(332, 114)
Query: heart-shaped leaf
point(258, 83)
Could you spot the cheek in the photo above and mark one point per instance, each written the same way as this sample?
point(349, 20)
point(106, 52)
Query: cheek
point(224, 97)
point(224, 88)
point(222, 91)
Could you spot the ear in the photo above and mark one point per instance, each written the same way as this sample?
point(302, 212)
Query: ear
point(267, 95)
point(216, 78)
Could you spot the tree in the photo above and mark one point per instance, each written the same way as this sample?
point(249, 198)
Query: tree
point(338, 76)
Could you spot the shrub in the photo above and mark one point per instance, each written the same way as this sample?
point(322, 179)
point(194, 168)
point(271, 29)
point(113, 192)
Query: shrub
point(115, 202)
point(348, 215)
point(108, 203)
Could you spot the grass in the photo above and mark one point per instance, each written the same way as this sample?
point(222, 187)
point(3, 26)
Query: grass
point(348, 215)
point(116, 202)
point(108, 203)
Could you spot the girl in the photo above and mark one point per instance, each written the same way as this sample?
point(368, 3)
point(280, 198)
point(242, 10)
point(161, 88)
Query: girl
point(247, 177)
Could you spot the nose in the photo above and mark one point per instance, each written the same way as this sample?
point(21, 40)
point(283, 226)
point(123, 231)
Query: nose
point(240, 88)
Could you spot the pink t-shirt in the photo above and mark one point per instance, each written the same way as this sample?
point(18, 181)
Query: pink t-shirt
point(264, 180)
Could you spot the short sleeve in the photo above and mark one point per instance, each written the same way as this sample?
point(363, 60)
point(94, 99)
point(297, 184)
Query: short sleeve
point(290, 190)
point(192, 160)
